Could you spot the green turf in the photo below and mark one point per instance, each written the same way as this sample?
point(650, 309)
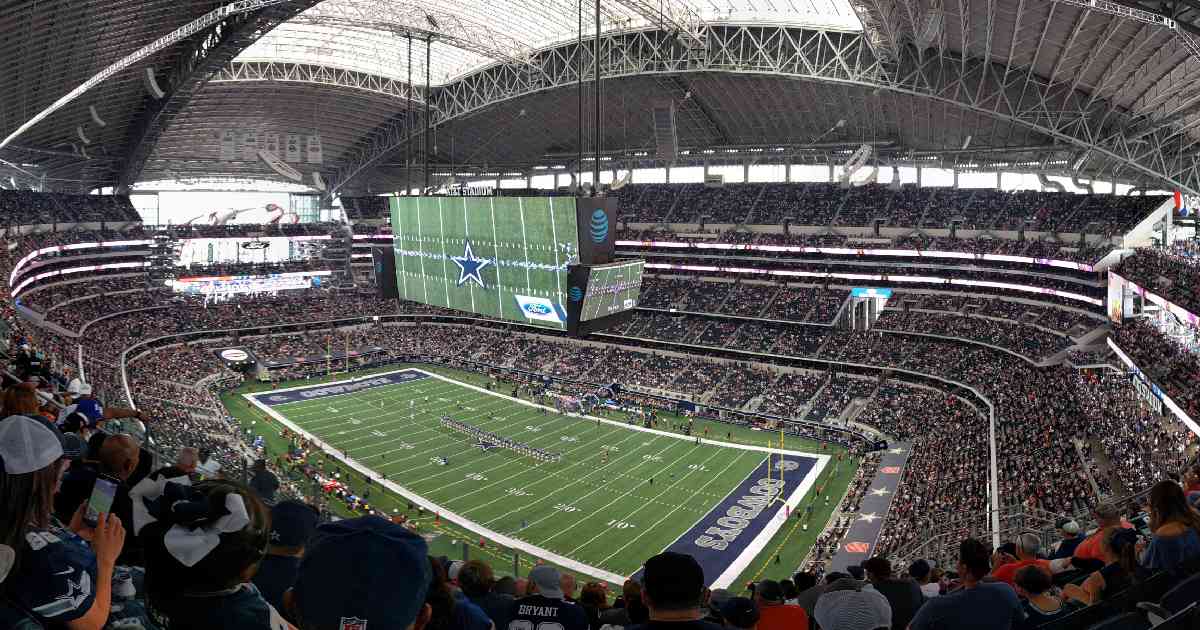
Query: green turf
point(603, 496)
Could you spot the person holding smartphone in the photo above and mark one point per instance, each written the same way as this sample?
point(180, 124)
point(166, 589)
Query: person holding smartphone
point(63, 574)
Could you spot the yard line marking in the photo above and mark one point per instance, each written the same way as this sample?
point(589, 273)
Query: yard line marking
point(539, 499)
point(496, 256)
point(445, 275)
point(630, 491)
point(524, 242)
point(668, 515)
point(467, 233)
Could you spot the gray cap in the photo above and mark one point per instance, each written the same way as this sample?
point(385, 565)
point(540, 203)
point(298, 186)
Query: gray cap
point(717, 597)
point(548, 581)
point(846, 606)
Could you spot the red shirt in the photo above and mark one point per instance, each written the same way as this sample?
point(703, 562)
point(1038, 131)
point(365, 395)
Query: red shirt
point(1008, 572)
point(782, 617)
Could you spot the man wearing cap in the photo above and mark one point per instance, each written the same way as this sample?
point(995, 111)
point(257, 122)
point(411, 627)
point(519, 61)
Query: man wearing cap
point(87, 404)
point(1068, 531)
point(673, 591)
point(774, 614)
point(847, 604)
point(546, 604)
point(717, 598)
point(362, 574)
point(292, 524)
point(740, 613)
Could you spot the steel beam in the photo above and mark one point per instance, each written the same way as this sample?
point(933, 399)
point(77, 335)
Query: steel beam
point(452, 30)
point(977, 85)
point(670, 15)
point(207, 55)
point(186, 31)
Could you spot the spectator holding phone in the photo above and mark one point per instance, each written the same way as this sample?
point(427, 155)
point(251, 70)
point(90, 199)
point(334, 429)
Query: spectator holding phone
point(115, 457)
point(52, 560)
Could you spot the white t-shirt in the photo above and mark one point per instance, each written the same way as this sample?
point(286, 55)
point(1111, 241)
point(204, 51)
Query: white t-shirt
point(930, 590)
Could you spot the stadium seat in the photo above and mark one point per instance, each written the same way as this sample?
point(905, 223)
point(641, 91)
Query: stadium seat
point(1182, 595)
point(1186, 619)
point(1124, 621)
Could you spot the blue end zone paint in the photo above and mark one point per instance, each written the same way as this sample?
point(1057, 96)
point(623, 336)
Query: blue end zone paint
point(718, 539)
point(333, 389)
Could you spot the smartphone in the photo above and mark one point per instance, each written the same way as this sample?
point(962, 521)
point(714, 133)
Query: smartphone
point(101, 500)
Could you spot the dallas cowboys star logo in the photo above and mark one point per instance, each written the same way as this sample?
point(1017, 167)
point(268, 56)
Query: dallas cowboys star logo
point(469, 266)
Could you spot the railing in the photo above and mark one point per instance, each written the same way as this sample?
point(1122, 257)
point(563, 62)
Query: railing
point(1015, 520)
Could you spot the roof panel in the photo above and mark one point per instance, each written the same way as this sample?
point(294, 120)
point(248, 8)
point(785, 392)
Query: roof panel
point(369, 35)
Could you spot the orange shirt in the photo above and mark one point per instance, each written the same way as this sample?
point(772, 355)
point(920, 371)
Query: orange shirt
point(1008, 572)
point(1089, 549)
point(782, 617)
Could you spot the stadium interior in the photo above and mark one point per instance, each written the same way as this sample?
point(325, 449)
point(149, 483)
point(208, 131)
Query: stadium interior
point(362, 314)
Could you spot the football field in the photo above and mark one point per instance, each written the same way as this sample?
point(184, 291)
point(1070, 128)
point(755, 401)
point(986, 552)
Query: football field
point(615, 496)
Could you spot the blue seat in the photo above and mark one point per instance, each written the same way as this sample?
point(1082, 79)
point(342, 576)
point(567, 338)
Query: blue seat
point(1124, 621)
point(1182, 595)
point(1186, 619)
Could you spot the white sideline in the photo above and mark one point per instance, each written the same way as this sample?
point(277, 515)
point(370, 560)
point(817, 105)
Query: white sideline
point(735, 568)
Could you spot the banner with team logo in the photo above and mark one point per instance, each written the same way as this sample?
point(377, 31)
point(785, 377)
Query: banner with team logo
point(235, 357)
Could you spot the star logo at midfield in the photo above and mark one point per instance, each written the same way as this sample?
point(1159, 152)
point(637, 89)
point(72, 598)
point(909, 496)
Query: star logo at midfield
point(880, 492)
point(869, 517)
point(897, 451)
point(469, 266)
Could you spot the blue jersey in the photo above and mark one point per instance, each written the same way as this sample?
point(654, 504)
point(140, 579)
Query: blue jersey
point(530, 612)
point(56, 578)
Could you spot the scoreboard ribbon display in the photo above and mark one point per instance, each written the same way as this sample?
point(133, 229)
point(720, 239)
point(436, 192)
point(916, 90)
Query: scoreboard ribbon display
point(512, 258)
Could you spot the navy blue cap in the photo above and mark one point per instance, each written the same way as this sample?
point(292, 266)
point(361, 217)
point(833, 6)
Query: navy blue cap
point(739, 612)
point(292, 523)
point(367, 571)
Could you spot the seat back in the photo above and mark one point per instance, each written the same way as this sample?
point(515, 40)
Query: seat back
point(1182, 595)
point(1123, 621)
point(1186, 619)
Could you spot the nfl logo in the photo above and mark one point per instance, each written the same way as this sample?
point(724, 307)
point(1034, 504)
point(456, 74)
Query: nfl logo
point(353, 623)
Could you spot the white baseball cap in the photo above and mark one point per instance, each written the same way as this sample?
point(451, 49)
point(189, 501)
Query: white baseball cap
point(27, 445)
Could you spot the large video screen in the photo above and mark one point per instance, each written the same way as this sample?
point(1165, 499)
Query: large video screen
point(237, 285)
point(611, 289)
point(270, 249)
point(1116, 297)
point(503, 257)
